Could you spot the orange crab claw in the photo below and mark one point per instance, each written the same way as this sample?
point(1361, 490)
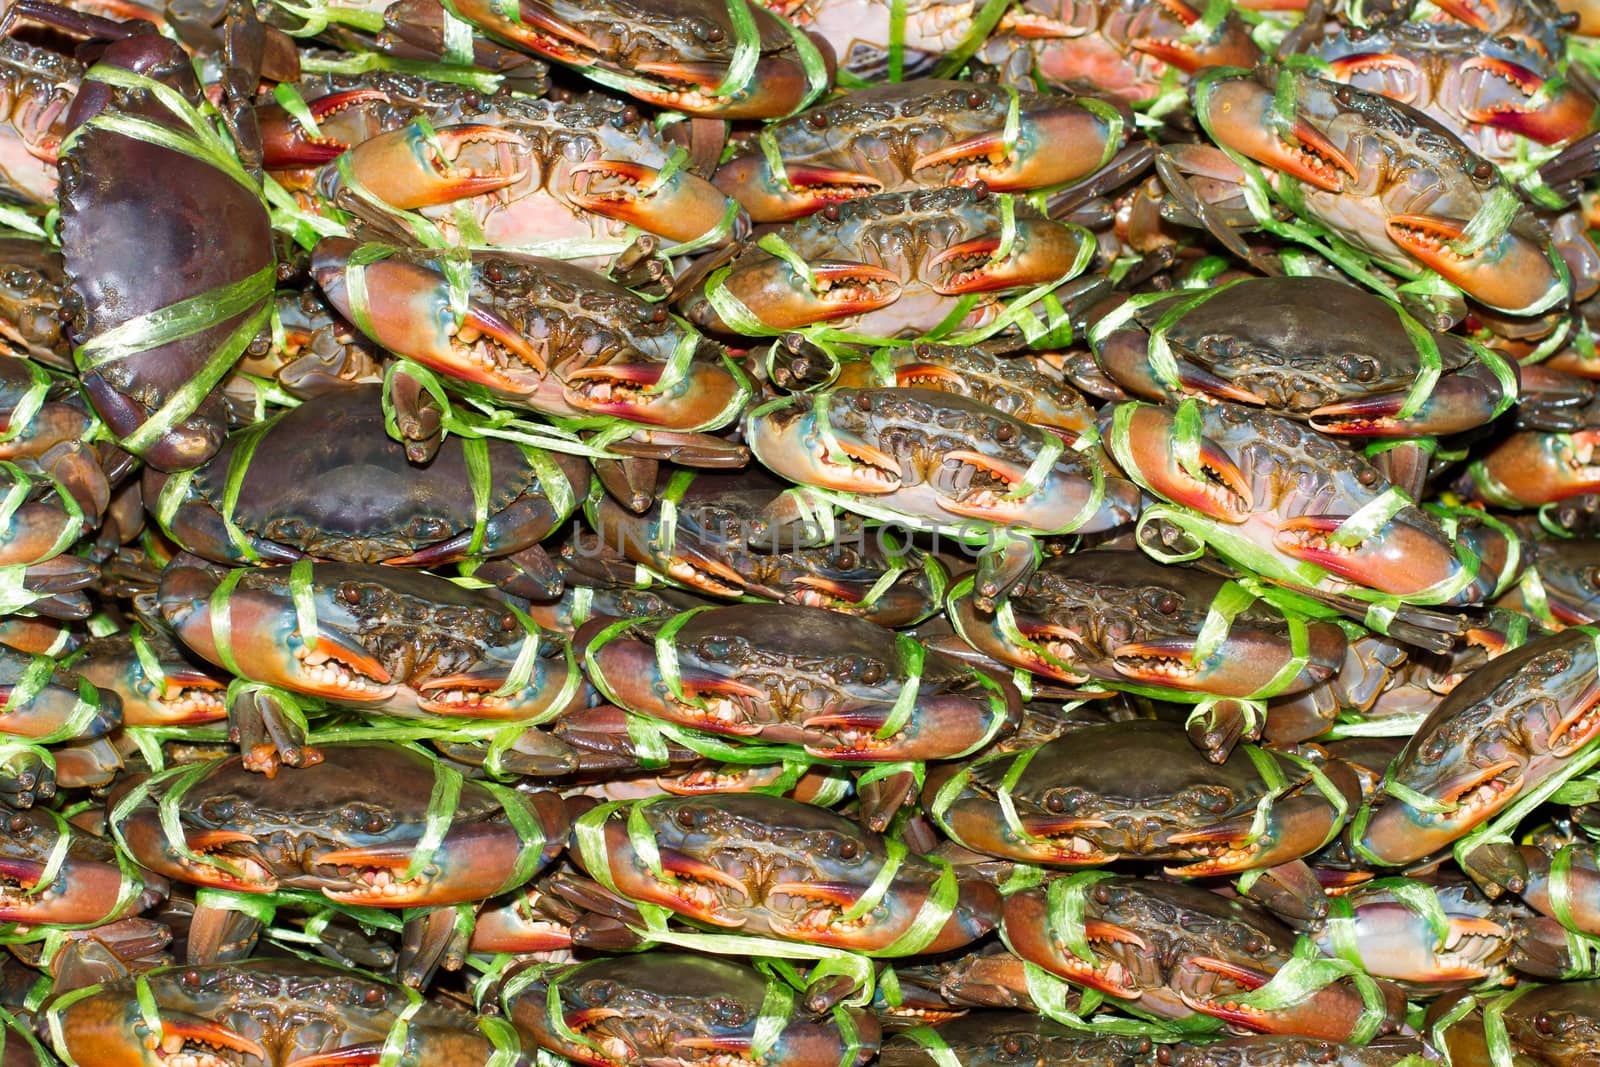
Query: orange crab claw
point(409, 312)
point(1400, 558)
point(806, 189)
point(682, 865)
point(1052, 147)
point(1560, 117)
point(682, 208)
point(408, 170)
point(1219, 489)
point(286, 144)
point(1240, 113)
point(1512, 274)
point(367, 1055)
point(178, 1029)
point(1042, 252)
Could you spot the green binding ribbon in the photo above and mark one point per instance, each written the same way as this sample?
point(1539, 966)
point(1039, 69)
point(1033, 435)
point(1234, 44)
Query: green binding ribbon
point(1306, 973)
point(1066, 901)
point(442, 804)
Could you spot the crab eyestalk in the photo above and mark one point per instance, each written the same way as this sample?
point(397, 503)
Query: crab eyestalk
point(1511, 273)
point(1052, 147)
point(1240, 113)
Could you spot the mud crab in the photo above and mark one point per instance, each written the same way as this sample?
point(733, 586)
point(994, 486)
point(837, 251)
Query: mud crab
point(1076, 806)
point(842, 688)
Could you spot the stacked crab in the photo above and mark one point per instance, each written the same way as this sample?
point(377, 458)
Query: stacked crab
point(708, 533)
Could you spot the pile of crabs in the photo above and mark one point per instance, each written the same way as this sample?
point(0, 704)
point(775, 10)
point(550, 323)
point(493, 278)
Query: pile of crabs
point(718, 533)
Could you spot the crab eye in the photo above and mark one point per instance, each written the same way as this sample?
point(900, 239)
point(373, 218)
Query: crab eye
point(1055, 803)
point(1544, 1024)
point(599, 991)
point(727, 1012)
point(217, 810)
point(872, 672)
point(848, 849)
point(1167, 602)
point(1358, 368)
point(863, 402)
point(1215, 801)
point(713, 648)
point(365, 819)
point(846, 559)
point(686, 818)
point(1433, 749)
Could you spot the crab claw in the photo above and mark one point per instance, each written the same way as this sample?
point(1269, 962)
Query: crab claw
point(1043, 251)
point(838, 289)
point(1218, 489)
point(1166, 31)
point(55, 705)
point(629, 671)
point(1027, 929)
point(85, 892)
point(1331, 1013)
point(805, 189)
point(1512, 274)
point(1507, 93)
point(633, 390)
point(682, 208)
point(1240, 113)
point(1398, 833)
point(1467, 11)
point(941, 725)
point(782, 443)
point(1400, 558)
point(689, 890)
point(1457, 403)
point(409, 312)
point(408, 170)
point(100, 1029)
point(1247, 660)
point(470, 864)
point(778, 85)
point(1528, 469)
point(285, 144)
point(1052, 147)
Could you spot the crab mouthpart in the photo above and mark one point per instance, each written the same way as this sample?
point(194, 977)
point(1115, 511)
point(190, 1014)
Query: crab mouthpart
point(178, 1034)
point(828, 902)
point(986, 491)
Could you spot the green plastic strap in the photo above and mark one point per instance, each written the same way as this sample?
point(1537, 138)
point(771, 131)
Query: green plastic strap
point(39, 673)
point(305, 602)
point(777, 1008)
point(933, 1044)
point(222, 619)
point(1307, 972)
point(1066, 900)
point(396, 1042)
point(667, 654)
point(442, 804)
point(936, 909)
point(530, 834)
point(29, 403)
point(911, 653)
point(1494, 1025)
point(1371, 517)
